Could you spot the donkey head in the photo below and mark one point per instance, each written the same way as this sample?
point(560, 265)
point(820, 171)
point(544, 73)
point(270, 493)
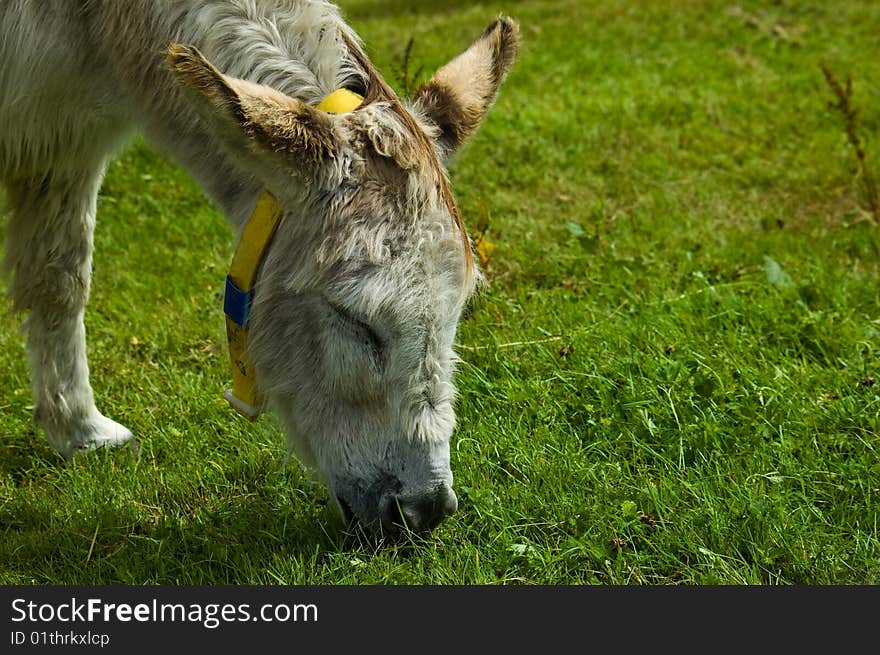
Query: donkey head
point(358, 298)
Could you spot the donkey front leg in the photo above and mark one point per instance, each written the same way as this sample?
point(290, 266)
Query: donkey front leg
point(49, 253)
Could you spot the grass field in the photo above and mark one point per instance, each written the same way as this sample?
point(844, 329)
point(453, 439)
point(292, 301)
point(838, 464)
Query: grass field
point(669, 378)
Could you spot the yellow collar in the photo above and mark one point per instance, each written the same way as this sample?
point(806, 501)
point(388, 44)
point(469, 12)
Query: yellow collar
point(341, 101)
point(255, 239)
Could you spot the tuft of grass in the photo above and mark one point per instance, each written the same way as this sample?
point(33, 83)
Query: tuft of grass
point(666, 380)
point(843, 104)
point(408, 80)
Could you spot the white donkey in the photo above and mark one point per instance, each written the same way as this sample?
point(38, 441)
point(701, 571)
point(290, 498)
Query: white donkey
point(348, 329)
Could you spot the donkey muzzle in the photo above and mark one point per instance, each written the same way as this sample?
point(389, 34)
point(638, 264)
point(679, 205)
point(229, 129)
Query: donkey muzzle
point(419, 513)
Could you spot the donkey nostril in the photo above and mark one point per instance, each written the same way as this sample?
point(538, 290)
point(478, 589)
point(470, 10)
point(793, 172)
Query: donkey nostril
point(412, 517)
point(391, 515)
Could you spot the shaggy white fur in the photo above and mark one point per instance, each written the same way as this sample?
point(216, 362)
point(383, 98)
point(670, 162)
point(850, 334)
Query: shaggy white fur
point(357, 302)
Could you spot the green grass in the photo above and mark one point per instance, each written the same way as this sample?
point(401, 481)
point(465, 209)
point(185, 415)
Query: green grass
point(666, 380)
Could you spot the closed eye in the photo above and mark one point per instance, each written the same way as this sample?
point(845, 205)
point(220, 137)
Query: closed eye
point(371, 340)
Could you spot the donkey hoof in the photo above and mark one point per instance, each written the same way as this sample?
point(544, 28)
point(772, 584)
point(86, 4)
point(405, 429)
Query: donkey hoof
point(98, 433)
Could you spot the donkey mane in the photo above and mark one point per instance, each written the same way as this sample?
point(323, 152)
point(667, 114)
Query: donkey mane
point(287, 45)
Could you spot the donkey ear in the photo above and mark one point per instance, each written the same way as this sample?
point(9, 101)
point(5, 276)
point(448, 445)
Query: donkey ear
point(264, 117)
point(460, 94)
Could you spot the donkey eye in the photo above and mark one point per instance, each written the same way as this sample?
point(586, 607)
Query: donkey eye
point(372, 341)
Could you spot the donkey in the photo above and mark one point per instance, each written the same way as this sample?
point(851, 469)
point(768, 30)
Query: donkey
point(353, 311)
